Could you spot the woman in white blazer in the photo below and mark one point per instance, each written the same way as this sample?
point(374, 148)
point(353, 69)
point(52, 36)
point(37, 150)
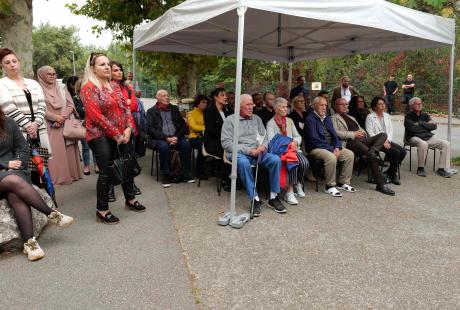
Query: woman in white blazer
point(380, 121)
point(22, 99)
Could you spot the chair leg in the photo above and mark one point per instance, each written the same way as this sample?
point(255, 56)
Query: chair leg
point(151, 163)
point(157, 159)
point(434, 160)
point(410, 158)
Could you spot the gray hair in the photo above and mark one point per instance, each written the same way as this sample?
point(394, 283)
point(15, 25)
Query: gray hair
point(413, 100)
point(160, 91)
point(316, 100)
point(278, 101)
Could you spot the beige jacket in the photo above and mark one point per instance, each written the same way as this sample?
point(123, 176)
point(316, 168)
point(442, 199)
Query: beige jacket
point(341, 128)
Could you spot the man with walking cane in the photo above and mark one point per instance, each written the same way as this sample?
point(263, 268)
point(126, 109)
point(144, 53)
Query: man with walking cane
point(251, 132)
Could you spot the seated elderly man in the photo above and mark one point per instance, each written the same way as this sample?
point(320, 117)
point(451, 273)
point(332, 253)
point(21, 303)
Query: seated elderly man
point(166, 128)
point(355, 139)
point(321, 142)
point(419, 127)
point(252, 131)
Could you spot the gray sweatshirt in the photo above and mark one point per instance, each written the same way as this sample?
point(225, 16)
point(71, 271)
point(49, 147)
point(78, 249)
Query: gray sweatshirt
point(252, 131)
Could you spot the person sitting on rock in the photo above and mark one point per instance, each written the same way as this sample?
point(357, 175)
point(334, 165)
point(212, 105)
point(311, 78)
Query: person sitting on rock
point(252, 147)
point(355, 138)
point(16, 187)
point(322, 142)
point(419, 127)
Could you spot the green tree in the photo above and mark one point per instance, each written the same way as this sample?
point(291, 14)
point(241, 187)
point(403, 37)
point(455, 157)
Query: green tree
point(16, 30)
point(53, 47)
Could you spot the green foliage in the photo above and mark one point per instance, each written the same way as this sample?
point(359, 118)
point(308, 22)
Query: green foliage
point(5, 8)
point(53, 46)
point(122, 16)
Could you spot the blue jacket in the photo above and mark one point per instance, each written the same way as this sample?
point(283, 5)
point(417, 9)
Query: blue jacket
point(314, 136)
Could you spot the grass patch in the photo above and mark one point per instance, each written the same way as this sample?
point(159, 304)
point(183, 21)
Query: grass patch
point(456, 161)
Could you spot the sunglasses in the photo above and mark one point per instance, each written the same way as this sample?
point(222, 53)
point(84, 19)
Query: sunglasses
point(93, 57)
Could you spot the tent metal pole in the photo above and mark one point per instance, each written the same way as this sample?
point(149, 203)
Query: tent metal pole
point(134, 65)
point(281, 72)
point(239, 68)
point(290, 78)
point(451, 92)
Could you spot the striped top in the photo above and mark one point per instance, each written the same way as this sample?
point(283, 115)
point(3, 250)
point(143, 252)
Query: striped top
point(13, 103)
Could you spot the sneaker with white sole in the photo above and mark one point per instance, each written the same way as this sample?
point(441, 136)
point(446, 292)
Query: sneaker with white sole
point(33, 250)
point(299, 191)
point(59, 219)
point(289, 197)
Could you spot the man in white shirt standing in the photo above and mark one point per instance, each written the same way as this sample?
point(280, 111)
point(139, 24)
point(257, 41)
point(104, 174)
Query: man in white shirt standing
point(345, 90)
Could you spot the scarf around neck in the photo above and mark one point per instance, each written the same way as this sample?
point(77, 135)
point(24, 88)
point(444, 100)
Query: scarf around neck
point(281, 122)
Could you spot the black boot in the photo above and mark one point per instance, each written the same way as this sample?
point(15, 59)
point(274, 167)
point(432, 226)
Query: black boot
point(111, 195)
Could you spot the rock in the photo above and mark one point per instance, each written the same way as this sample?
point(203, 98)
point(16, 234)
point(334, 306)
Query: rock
point(10, 237)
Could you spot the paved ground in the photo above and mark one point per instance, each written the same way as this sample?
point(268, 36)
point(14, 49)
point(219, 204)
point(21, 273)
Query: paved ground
point(363, 251)
point(137, 264)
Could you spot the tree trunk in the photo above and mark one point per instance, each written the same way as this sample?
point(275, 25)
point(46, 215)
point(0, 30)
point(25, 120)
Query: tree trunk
point(186, 87)
point(191, 80)
point(16, 33)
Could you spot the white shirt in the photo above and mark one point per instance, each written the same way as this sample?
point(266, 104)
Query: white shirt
point(346, 93)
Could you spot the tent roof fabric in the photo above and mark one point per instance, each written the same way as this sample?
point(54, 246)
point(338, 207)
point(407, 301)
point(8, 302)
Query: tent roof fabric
point(293, 30)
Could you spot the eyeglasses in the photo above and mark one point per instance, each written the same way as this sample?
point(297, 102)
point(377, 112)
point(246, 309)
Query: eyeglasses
point(93, 57)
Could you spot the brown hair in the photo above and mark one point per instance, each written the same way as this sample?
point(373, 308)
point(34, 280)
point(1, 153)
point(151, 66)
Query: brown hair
point(5, 52)
point(2, 124)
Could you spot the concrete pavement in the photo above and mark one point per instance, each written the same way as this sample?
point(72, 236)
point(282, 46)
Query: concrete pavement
point(137, 264)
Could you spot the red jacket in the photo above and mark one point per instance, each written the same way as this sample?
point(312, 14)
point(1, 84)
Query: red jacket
point(106, 112)
point(290, 156)
point(126, 91)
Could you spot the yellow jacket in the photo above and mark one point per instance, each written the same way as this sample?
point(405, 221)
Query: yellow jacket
point(195, 123)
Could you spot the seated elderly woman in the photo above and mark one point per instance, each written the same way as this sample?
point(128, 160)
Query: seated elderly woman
point(16, 187)
point(380, 121)
point(280, 124)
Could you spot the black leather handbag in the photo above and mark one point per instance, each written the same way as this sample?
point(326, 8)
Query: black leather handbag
point(124, 168)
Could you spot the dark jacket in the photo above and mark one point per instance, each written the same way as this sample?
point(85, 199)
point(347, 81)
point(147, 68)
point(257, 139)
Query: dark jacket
point(13, 147)
point(314, 135)
point(212, 130)
point(154, 123)
point(418, 126)
point(299, 121)
point(265, 115)
point(337, 93)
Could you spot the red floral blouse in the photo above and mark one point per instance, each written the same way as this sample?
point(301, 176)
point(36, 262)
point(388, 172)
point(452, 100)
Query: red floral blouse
point(106, 112)
point(134, 104)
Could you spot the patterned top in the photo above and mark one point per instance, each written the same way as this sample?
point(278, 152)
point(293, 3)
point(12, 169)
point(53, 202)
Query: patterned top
point(133, 106)
point(13, 103)
point(106, 112)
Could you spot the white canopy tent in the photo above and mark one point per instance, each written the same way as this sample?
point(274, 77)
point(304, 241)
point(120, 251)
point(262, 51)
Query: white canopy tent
point(293, 30)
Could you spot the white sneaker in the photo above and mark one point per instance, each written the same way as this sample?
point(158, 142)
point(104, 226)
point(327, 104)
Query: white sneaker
point(33, 250)
point(290, 198)
point(299, 191)
point(60, 219)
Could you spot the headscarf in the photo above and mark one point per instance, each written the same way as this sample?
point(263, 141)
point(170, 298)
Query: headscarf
point(52, 91)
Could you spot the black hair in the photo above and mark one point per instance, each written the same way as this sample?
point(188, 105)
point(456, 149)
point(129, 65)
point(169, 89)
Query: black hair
point(216, 92)
point(71, 81)
point(198, 99)
point(374, 102)
point(323, 92)
point(116, 63)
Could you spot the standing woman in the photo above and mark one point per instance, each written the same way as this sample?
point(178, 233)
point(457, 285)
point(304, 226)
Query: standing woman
point(64, 166)
point(23, 100)
point(380, 121)
point(118, 80)
point(15, 187)
point(74, 87)
point(107, 125)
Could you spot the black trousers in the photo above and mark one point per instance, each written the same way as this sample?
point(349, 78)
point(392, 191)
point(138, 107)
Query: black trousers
point(368, 147)
point(105, 151)
point(395, 155)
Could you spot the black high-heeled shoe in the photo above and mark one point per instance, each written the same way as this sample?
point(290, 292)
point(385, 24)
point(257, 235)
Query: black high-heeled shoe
point(136, 206)
point(108, 218)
